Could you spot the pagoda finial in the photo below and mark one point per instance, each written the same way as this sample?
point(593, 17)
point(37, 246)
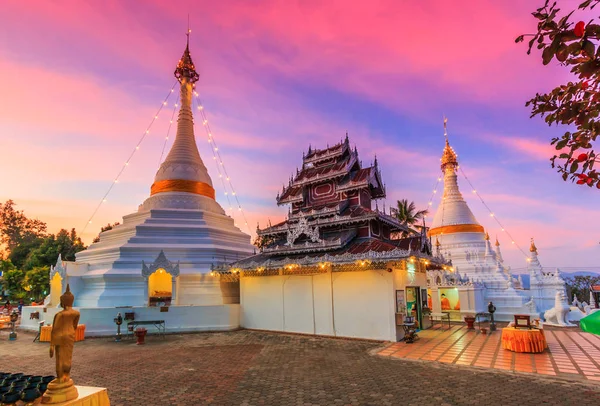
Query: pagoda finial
point(448, 156)
point(375, 162)
point(487, 236)
point(437, 243)
point(532, 248)
point(185, 67)
point(446, 128)
point(347, 140)
point(497, 243)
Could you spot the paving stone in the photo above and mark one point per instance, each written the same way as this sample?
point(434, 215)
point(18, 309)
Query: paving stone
point(257, 368)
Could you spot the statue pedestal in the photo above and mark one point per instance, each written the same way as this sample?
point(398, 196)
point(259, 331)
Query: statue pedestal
point(87, 395)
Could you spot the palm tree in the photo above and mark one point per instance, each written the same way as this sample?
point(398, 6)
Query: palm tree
point(407, 214)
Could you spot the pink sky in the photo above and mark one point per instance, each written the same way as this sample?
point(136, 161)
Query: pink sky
point(81, 81)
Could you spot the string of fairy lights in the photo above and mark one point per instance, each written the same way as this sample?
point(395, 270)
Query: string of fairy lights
point(128, 160)
point(221, 168)
point(433, 193)
point(492, 214)
point(162, 153)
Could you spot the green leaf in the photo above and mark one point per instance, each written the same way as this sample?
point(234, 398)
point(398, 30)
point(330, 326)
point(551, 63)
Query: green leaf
point(565, 176)
point(589, 48)
point(562, 53)
point(574, 167)
point(547, 55)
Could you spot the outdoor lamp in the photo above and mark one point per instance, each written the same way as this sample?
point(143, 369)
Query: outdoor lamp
point(118, 322)
point(14, 316)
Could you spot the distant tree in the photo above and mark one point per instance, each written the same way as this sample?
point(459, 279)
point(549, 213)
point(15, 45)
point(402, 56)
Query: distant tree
point(18, 233)
point(16, 228)
point(580, 286)
point(408, 215)
point(105, 228)
point(66, 243)
point(12, 282)
point(37, 282)
point(576, 103)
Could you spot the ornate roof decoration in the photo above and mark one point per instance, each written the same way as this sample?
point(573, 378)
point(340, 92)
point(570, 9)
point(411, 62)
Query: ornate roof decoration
point(58, 268)
point(532, 247)
point(185, 66)
point(497, 243)
point(487, 236)
point(161, 262)
point(346, 258)
point(449, 156)
point(300, 228)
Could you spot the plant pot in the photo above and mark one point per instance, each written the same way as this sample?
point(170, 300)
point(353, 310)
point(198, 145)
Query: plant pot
point(484, 331)
point(140, 334)
point(470, 322)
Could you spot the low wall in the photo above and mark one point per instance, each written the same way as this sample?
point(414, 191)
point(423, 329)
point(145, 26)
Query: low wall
point(99, 321)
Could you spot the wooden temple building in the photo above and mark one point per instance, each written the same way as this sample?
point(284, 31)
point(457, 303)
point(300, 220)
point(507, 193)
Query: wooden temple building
point(335, 266)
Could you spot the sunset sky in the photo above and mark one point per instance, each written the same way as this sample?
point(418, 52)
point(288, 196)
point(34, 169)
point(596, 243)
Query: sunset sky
point(81, 81)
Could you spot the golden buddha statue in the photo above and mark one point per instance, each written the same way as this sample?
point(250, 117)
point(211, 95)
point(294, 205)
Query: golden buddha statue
point(62, 340)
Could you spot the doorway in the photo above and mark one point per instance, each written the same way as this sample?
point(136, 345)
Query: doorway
point(414, 304)
point(160, 288)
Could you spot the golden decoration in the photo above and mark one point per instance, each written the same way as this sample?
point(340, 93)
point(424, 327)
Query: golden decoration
point(532, 248)
point(459, 228)
point(449, 156)
point(181, 185)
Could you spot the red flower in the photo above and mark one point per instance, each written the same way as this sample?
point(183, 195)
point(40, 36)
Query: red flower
point(580, 182)
point(579, 29)
point(582, 157)
point(585, 85)
point(598, 185)
point(589, 181)
point(582, 176)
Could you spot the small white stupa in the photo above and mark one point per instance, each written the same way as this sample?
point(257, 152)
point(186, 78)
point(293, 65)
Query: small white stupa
point(162, 254)
point(484, 276)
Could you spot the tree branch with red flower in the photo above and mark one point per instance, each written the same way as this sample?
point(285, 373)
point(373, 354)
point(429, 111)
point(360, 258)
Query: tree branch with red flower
point(576, 103)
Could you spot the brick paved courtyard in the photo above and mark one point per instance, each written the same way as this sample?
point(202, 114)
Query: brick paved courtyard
point(570, 354)
point(255, 368)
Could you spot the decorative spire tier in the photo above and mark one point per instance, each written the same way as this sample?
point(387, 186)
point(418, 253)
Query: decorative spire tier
point(183, 170)
point(453, 215)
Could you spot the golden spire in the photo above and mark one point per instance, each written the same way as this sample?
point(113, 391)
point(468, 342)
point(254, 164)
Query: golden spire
point(185, 66)
point(448, 156)
point(532, 248)
point(497, 243)
point(487, 236)
point(437, 242)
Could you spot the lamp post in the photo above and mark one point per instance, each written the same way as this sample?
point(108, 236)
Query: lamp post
point(118, 322)
point(14, 316)
point(491, 310)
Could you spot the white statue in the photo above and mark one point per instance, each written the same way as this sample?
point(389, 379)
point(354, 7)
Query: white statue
point(531, 305)
point(575, 302)
point(558, 315)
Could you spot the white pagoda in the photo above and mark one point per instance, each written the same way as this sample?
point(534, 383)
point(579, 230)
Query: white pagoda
point(479, 273)
point(161, 256)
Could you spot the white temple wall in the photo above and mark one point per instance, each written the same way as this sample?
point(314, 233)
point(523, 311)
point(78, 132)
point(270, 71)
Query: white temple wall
point(362, 305)
point(99, 321)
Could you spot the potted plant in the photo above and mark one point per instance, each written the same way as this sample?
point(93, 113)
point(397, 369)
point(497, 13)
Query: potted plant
point(140, 334)
point(470, 320)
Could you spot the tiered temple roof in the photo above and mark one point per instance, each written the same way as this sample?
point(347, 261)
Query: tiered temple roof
point(331, 218)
